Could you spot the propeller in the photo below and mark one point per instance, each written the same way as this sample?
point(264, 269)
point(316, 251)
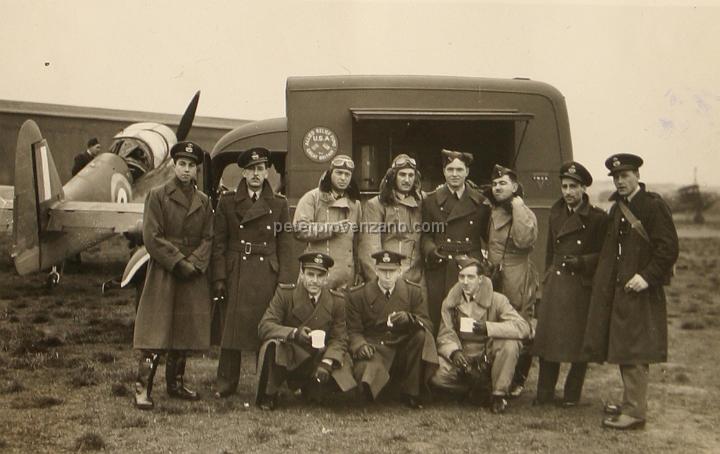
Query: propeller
point(186, 121)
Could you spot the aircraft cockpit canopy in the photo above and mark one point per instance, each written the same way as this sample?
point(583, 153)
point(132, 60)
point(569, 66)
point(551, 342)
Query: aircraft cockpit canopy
point(143, 146)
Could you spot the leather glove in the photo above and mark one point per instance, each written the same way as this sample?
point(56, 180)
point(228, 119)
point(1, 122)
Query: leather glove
point(219, 290)
point(480, 327)
point(322, 373)
point(185, 269)
point(302, 335)
point(459, 359)
point(400, 320)
point(572, 263)
point(365, 352)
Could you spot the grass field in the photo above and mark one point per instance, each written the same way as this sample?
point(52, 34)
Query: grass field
point(67, 370)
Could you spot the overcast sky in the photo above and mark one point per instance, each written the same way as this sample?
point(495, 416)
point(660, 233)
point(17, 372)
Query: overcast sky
point(642, 79)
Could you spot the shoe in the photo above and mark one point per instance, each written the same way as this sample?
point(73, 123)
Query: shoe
point(612, 409)
point(623, 422)
point(499, 405)
point(174, 373)
point(413, 402)
point(568, 403)
point(222, 394)
point(143, 401)
point(179, 391)
point(267, 403)
point(515, 391)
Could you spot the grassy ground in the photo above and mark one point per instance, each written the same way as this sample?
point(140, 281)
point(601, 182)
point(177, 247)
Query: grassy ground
point(66, 375)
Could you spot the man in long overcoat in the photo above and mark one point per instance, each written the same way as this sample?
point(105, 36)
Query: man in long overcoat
point(512, 235)
point(173, 314)
point(575, 236)
point(295, 314)
point(493, 340)
point(251, 253)
point(392, 220)
point(627, 322)
point(390, 332)
point(327, 218)
point(455, 220)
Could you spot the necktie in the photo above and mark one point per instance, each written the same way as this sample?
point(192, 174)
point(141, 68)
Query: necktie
point(457, 196)
point(254, 197)
point(313, 300)
point(387, 294)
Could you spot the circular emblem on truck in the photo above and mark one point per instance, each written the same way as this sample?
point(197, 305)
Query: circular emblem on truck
point(320, 144)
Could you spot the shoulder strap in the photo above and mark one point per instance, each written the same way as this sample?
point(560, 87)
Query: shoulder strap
point(634, 221)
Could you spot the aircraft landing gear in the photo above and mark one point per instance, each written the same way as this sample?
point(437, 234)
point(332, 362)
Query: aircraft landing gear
point(53, 278)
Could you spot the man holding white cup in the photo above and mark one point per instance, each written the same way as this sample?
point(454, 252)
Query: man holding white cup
point(304, 337)
point(478, 325)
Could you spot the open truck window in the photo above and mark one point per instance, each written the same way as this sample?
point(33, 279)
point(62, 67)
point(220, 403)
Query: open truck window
point(376, 141)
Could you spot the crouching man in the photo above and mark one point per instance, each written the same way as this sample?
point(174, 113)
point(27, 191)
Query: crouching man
point(304, 337)
point(480, 331)
point(390, 332)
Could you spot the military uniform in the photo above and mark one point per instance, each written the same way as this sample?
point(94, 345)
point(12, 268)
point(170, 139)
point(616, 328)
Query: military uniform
point(282, 359)
point(251, 254)
point(409, 352)
point(562, 315)
point(463, 223)
point(628, 327)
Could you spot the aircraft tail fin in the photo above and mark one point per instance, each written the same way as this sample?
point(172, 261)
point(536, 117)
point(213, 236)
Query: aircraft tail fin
point(37, 187)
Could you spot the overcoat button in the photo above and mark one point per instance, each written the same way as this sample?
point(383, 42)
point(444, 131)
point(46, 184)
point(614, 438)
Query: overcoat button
point(268, 227)
point(262, 258)
point(471, 222)
point(270, 212)
point(244, 257)
point(449, 240)
point(242, 226)
point(557, 272)
point(579, 241)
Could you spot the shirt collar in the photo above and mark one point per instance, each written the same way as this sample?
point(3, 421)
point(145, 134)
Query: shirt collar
point(630, 197)
point(459, 192)
point(383, 290)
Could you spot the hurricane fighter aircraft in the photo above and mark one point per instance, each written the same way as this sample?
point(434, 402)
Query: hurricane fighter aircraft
point(52, 222)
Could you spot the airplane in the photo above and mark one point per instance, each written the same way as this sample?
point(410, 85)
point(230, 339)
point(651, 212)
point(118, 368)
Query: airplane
point(52, 222)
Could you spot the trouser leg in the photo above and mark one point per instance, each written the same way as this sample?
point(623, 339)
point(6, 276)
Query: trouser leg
point(635, 379)
point(547, 379)
point(522, 369)
point(410, 362)
point(574, 382)
point(505, 356)
point(228, 372)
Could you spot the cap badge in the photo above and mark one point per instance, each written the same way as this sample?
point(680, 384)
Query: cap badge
point(189, 148)
point(386, 258)
point(572, 169)
point(318, 259)
point(254, 156)
point(616, 162)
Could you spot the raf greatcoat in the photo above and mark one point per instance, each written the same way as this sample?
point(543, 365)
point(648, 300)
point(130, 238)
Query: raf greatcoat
point(631, 327)
point(315, 211)
point(519, 276)
point(291, 308)
point(252, 253)
point(457, 228)
point(392, 227)
point(562, 314)
point(367, 314)
point(174, 314)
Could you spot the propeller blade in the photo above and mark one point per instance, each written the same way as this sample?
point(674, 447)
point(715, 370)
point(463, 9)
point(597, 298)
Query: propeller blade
point(186, 121)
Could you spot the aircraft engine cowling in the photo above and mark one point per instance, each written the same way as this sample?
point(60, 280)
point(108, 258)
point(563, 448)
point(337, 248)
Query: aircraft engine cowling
point(143, 146)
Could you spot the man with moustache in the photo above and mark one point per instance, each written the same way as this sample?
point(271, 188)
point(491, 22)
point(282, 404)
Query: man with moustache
point(250, 256)
point(575, 235)
point(295, 314)
point(511, 237)
point(326, 218)
point(392, 220)
point(390, 333)
point(173, 314)
point(627, 320)
point(458, 214)
point(494, 337)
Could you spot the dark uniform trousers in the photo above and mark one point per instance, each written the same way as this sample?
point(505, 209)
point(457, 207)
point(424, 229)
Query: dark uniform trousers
point(548, 377)
point(273, 375)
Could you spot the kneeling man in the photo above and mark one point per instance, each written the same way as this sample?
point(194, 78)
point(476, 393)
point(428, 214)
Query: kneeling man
point(390, 332)
point(304, 336)
point(479, 326)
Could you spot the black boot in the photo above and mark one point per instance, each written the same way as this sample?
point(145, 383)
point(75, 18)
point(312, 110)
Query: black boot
point(174, 372)
point(144, 382)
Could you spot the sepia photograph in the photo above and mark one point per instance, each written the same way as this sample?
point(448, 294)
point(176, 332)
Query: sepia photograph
point(359, 226)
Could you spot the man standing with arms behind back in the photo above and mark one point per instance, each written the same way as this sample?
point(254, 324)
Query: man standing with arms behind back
point(627, 322)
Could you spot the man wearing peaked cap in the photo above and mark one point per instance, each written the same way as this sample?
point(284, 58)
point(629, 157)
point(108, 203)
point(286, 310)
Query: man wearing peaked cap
point(627, 319)
point(82, 159)
point(455, 222)
point(480, 337)
point(390, 332)
point(304, 337)
point(512, 235)
point(189, 150)
point(326, 220)
point(575, 236)
point(392, 219)
point(252, 252)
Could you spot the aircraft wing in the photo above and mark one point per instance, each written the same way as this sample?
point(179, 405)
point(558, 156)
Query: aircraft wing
point(7, 193)
point(97, 216)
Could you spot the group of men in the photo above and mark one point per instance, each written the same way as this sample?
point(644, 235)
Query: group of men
point(408, 291)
